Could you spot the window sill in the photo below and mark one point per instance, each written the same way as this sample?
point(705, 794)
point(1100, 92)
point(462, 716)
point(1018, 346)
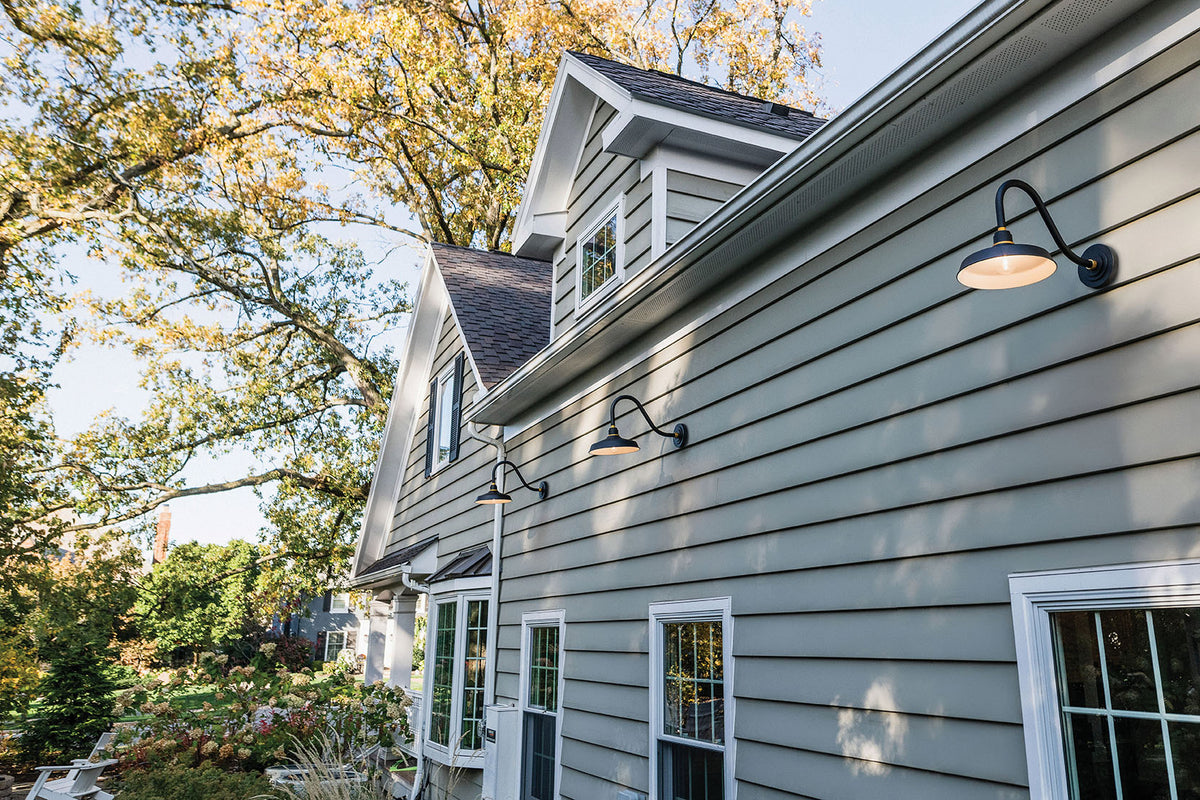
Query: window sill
point(463, 759)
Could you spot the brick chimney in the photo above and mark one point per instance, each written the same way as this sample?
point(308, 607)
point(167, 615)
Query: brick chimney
point(160, 536)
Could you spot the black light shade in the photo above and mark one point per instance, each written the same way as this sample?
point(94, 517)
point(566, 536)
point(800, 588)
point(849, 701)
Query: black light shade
point(1006, 265)
point(613, 444)
point(616, 444)
point(493, 496)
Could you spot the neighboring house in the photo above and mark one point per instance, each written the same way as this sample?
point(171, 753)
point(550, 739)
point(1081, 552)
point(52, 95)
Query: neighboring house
point(923, 541)
point(335, 621)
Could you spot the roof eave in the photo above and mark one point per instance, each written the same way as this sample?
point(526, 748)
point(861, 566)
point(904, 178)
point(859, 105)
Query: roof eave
point(914, 84)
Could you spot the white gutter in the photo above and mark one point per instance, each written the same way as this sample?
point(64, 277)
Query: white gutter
point(921, 102)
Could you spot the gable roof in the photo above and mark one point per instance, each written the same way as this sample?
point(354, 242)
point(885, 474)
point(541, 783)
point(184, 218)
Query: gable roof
point(501, 303)
point(698, 98)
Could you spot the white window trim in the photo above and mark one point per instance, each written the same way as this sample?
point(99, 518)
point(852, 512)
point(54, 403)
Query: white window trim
point(583, 305)
point(450, 756)
point(543, 619)
point(328, 636)
point(1034, 597)
point(714, 608)
point(333, 603)
point(447, 376)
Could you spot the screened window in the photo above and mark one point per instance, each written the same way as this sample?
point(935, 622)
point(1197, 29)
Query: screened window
point(1129, 692)
point(691, 740)
point(335, 643)
point(458, 656)
point(599, 253)
point(541, 653)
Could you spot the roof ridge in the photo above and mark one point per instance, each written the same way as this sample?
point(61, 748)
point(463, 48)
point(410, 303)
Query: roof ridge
point(698, 84)
point(488, 252)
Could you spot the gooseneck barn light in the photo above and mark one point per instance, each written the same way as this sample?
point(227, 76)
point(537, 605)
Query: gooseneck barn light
point(493, 496)
point(615, 443)
point(1006, 265)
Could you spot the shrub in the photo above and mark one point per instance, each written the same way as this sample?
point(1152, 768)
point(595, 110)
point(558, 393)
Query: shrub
point(76, 701)
point(18, 677)
point(205, 782)
point(258, 716)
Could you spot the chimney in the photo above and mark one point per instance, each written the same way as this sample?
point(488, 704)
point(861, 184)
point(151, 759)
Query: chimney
point(160, 536)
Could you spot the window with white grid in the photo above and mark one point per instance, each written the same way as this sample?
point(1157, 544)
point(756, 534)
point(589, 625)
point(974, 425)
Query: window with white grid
point(1109, 662)
point(599, 255)
point(691, 710)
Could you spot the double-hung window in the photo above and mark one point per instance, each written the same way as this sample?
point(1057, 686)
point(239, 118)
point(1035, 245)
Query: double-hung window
point(541, 682)
point(442, 432)
point(335, 643)
point(600, 255)
point(691, 709)
point(1109, 663)
point(339, 603)
point(456, 655)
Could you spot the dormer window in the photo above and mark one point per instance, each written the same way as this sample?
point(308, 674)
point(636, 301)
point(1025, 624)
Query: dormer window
point(600, 255)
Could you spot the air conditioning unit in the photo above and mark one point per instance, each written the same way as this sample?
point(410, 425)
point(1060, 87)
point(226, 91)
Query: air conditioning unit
point(501, 753)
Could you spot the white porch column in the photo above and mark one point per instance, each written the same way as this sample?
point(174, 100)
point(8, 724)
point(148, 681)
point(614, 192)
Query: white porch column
point(376, 642)
point(404, 620)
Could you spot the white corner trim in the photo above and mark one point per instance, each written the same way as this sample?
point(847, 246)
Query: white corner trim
point(584, 305)
point(658, 212)
point(1034, 597)
point(713, 608)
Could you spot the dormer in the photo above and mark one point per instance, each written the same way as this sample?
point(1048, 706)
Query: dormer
point(628, 161)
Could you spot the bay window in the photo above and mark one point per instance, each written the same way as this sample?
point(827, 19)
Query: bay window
point(456, 648)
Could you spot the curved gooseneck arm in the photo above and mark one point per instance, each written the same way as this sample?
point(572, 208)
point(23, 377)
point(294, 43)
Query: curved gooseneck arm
point(612, 415)
point(520, 477)
point(1015, 183)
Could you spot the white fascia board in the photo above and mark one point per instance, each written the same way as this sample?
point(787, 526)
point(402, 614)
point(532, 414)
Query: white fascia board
point(642, 125)
point(563, 131)
point(909, 88)
point(429, 309)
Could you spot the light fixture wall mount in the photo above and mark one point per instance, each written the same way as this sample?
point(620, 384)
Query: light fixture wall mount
point(615, 444)
point(493, 496)
point(1007, 265)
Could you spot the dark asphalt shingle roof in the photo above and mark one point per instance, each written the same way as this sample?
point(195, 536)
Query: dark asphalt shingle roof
point(698, 98)
point(502, 303)
point(398, 557)
point(468, 564)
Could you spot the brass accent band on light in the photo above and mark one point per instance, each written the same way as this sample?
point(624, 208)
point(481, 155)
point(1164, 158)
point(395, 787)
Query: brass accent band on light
point(493, 496)
point(615, 444)
point(1007, 265)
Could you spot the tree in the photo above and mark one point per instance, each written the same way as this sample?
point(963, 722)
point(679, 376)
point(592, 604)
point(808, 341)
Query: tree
point(187, 142)
point(200, 598)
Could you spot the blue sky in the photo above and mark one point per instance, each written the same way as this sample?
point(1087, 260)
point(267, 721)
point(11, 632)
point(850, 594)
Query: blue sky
point(862, 42)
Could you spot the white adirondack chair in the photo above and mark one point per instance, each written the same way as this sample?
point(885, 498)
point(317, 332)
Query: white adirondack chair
point(79, 783)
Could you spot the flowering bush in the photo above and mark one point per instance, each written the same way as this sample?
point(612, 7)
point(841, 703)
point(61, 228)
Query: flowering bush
point(259, 715)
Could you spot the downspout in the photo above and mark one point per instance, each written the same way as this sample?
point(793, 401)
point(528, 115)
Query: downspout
point(419, 775)
point(489, 681)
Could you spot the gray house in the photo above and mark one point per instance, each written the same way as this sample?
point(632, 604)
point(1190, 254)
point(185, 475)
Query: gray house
point(919, 540)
